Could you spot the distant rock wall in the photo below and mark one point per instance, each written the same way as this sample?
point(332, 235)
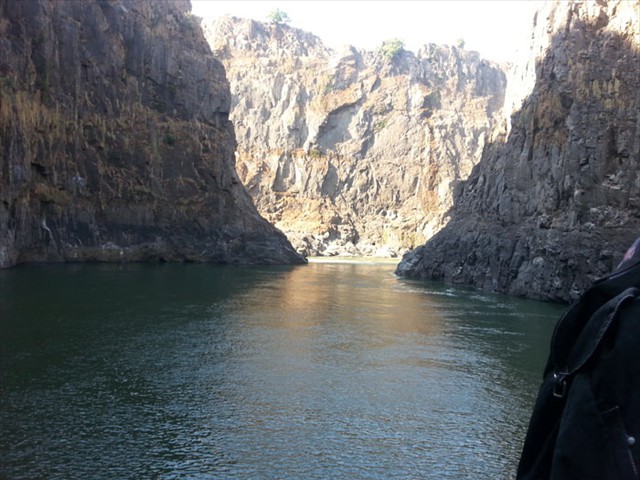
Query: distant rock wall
point(554, 202)
point(115, 140)
point(349, 152)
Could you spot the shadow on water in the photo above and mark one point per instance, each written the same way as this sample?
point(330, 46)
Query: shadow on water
point(85, 352)
point(78, 300)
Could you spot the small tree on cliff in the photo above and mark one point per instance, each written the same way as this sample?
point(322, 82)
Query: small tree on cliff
point(391, 48)
point(279, 16)
point(460, 43)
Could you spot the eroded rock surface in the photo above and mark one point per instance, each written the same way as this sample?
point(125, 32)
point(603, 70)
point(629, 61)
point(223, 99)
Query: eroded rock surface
point(555, 201)
point(350, 152)
point(115, 139)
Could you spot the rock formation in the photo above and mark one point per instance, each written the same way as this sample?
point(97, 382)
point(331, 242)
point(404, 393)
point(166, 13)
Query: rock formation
point(555, 201)
point(115, 140)
point(352, 152)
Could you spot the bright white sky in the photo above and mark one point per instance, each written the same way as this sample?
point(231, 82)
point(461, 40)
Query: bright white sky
point(495, 28)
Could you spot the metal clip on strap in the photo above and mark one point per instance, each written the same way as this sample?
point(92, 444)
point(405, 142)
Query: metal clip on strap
point(559, 385)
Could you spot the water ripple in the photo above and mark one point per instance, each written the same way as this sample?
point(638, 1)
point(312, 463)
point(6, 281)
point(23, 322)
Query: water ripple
point(324, 371)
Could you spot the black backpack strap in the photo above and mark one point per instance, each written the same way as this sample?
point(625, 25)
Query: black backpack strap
point(574, 319)
point(566, 363)
point(581, 334)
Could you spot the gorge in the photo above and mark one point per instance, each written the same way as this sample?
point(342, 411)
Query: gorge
point(118, 128)
point(524, 182)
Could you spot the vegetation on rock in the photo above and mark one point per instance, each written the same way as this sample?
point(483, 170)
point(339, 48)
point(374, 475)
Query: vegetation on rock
point(278, 16)
point(346, 157)
point(116, 140)
point(392, 47)
point(553, 203)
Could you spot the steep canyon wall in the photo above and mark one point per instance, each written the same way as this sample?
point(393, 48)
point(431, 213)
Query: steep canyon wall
point(555, 200)
point(353, 152)
point(115, 141)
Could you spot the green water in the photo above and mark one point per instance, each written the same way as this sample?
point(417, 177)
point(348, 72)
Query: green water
point(317, 371)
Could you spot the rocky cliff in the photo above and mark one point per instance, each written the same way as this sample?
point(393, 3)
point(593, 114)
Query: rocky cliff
point(555, 201)
point(353, 152)
point(115, 139)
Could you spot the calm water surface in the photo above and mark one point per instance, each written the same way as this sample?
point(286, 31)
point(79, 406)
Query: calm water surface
point(332, 371)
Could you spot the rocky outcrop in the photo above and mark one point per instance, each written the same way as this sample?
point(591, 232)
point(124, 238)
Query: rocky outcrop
point(115, 139)
point(352, 152)
point(555, 201)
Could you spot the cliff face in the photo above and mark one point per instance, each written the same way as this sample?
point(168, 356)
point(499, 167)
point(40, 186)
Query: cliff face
point(555, 203)
point(353, 152)
point(115, 139)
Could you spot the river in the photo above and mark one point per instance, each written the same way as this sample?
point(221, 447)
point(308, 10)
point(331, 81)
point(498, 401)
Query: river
point(322, 371)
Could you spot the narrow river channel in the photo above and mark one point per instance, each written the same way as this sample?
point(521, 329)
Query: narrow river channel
point(323, 371)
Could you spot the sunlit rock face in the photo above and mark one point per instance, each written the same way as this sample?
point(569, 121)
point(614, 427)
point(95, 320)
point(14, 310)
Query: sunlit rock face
point(351, 152)
point(555, 201)
point(115, 139)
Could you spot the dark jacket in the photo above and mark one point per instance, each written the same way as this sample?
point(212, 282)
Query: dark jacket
point(586, 420)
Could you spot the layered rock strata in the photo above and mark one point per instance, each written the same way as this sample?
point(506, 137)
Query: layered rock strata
point(115, 139)
point(352, 152)
point(555, 201)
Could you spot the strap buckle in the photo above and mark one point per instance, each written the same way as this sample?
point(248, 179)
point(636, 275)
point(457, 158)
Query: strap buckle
point(559, 385)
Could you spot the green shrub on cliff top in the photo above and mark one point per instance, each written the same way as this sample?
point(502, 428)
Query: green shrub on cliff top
point(392, 47)
point(279, 16)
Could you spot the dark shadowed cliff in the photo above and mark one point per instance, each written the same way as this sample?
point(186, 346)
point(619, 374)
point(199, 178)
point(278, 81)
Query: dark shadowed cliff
point(353, 152)
point(553, 204)
point(115, 141)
